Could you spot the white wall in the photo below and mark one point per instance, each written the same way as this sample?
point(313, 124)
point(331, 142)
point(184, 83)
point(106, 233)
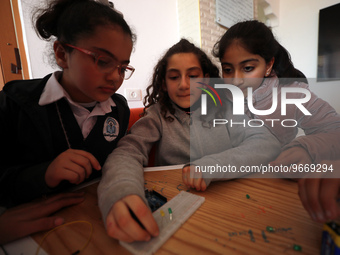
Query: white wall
point(156, 25)
point(36, 48)
point(298, 33)
point(189, 20)
point(154, 22)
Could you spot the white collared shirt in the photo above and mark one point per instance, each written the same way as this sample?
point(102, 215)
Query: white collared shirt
point(53, 91)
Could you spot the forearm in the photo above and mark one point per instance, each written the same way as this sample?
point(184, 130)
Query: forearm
point(122, 176)
point(250, 147)
point(323, 118)
point(322, 146)
point(233, 161)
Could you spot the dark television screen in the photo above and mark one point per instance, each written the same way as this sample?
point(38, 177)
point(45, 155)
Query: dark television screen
point(329, 44)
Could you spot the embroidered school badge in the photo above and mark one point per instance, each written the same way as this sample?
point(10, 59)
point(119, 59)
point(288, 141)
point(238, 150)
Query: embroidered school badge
point(111, 129)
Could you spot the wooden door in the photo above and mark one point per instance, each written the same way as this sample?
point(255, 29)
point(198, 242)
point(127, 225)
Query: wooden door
point(13, 63)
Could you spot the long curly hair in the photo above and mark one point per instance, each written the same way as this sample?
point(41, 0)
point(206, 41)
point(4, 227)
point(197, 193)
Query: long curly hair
point(155, 92)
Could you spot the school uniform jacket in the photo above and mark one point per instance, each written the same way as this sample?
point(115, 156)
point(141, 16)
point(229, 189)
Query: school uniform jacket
point(32, 137)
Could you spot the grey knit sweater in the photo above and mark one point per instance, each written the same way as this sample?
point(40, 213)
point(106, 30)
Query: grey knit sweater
point(180, 142)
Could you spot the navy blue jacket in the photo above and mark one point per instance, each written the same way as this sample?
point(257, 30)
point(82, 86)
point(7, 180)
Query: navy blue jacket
point(32, 137)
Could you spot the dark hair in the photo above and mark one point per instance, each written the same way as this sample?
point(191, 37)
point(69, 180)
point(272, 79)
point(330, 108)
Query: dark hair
point(69, 20)
point(155, 92)
point(258, 39)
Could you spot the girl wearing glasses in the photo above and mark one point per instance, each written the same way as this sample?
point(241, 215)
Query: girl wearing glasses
point(56, 132)
point(173, 123)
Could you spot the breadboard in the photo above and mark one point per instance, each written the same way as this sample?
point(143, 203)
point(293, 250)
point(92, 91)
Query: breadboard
point(182, 206)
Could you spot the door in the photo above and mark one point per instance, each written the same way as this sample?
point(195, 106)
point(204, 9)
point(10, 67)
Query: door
point(12, 55)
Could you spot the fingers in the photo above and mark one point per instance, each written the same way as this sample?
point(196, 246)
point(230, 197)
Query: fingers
point(193, 179)
point(43, 208)
point(294, 155)
point(114, 231)
point(58, 202)
point(197, 184)
point(82, 163)
point(329, 191)
point(285, 158)
point(319, 198)
point(308, 192)
point(144, 215)
point(121, 225)
point(203, 185)
point(72, 165)
point(33, 217)
point(92, 160)
point(16, 226)
point(41, 224)
point(186, 175)
point(129, 226)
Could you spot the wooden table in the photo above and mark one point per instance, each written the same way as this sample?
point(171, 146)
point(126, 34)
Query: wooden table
point(227, 222)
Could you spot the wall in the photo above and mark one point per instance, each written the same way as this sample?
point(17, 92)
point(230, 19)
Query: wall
point(298, 32)
point(156, 25)
point(267, 11)
point(154, 22)
point(189, 20)
point(210, 30)
point(37, 50)
point(197, 23)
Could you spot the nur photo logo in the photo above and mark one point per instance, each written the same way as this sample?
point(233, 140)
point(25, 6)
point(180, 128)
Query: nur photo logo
point(280, 100)
point(204, 96)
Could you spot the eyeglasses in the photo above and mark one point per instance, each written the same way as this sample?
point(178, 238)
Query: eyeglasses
point(107, 64)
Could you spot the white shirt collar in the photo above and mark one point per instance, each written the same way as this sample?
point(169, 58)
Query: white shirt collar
point(53, 91)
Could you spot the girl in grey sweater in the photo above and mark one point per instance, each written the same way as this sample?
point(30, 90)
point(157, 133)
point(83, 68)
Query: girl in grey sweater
point(172, 121)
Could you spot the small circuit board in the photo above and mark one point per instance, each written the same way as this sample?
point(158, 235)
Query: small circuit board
point(155, 200)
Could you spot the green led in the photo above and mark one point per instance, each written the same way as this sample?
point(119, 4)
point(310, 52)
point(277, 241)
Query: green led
point(170, 213)
point(270, 229)
point(248, 197)
point(297, 247)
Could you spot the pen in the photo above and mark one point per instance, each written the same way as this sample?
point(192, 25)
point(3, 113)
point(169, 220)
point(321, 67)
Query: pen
point(133, 215)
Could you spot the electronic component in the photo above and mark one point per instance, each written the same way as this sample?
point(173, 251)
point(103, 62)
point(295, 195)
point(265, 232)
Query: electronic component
point(182, 207)
point(155, 200)
point(330, 239)
point(170, 213)
point(270, 229)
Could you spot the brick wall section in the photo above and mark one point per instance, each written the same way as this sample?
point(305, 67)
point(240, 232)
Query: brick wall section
point(202, 29)
point(210, 30)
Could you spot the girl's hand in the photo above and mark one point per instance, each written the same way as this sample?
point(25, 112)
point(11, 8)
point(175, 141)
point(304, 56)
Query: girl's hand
point(294, 155)
point(71, 165)
point(319, 197)
point(33, 217)
point(193, 179)
point(120, 224)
